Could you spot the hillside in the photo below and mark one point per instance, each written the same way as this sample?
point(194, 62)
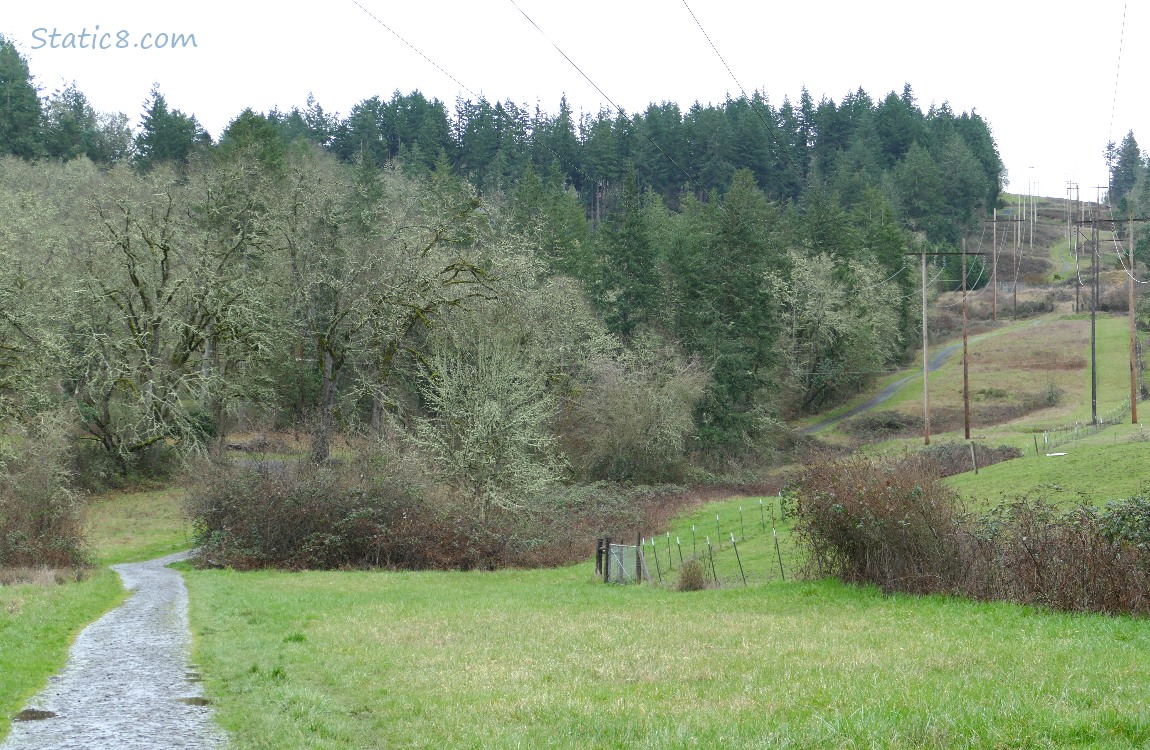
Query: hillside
point(1029, 350)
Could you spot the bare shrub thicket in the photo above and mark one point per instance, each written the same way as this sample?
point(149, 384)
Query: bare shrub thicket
point(384, 509)
point(304, 515)
point(1031, 552)
point(691, 577)
point(634, 419)
point(40, 515)
point(893, 524)
point(882, 424)
point(954, 458)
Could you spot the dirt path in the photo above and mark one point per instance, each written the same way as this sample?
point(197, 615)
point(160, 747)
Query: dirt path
point(127, 684)
point(935, 363)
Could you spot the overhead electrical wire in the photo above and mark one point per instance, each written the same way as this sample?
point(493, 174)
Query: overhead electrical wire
point(981, 271)
point(468, 89)
point(607, 97)
point(1118, 250)
point(1117, 72)
point(596, 86)
point(743, 91)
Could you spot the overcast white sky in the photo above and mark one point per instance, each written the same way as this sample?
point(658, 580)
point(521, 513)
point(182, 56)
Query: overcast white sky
point(1043, 74)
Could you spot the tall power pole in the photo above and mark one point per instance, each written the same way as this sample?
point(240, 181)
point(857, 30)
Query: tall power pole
point(925, 354)
point(1094, 323)
point(1133, 333)
point(994, 269)
point(925, 359)
point(965, 357)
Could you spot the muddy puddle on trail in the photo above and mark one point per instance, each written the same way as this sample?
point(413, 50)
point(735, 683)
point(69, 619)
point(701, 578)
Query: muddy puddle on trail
point(33, 714)
point(196, 701)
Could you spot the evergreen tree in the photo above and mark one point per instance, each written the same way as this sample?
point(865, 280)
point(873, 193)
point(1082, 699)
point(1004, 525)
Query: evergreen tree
point(166, 135)
point(20, 111)
point(898, 124)
point(723, 310)
point(363, 133)
point(1125, 163)
point(629, 278)
point(257, 135)
point(69, 124)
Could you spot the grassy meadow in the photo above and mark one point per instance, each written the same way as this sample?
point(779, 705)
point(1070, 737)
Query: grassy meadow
point(1106, 466)
point(555, 659)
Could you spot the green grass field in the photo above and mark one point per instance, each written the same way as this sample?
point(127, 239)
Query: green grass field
point(1106, 466)
point(555, 659)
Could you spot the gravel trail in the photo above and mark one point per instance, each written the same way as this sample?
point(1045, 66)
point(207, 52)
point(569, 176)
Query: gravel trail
point(935, 362)
point(127, 684)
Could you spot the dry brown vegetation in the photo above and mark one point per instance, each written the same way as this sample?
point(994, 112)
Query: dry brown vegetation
point(895, 525)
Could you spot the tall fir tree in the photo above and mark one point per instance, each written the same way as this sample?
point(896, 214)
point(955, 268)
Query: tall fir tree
point(629, 273)
point(166, 135)
point(20, 112)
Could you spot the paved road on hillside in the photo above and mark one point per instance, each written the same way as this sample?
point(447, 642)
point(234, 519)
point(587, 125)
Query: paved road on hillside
point(935, 362)
point(127, 684)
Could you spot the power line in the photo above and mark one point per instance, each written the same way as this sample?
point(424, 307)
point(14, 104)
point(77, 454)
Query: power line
point(1117, 72)
point(1118, 250)
point(750, 102)
point(619, 109)
point(565, 57)
point(460, 84)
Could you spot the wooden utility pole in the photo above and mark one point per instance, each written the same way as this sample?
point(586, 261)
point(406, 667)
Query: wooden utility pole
point(1077, 270)
point(925, 359)
point(1133, 333)
point(1068, 184)
point(925, 355)
point(965, 357)
point(1094, 324)
point(1095, 291)
point(1017, 251)
point(994, 269)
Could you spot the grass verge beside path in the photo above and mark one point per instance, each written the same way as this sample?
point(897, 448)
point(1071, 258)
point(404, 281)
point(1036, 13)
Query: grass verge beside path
point(39, 622)
point(554, 659)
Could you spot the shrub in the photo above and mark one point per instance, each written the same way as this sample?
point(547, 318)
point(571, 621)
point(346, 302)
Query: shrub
point(303, 515)
point(882, 424)
point(1127, 521)
point(1030, 308)
point(40, 515)
point(634, 420)
point(691, 577)
point(891, 523)
point(382, 509)
point(894, 525)
point(1052, 395)
point(954, 458)
point(1031, 552)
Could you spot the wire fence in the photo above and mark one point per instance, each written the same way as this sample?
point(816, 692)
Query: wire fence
point(1062, 435)
point(749, 548)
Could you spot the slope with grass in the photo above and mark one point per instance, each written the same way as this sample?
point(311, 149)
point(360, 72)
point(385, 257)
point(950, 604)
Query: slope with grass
point(1106, 466)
